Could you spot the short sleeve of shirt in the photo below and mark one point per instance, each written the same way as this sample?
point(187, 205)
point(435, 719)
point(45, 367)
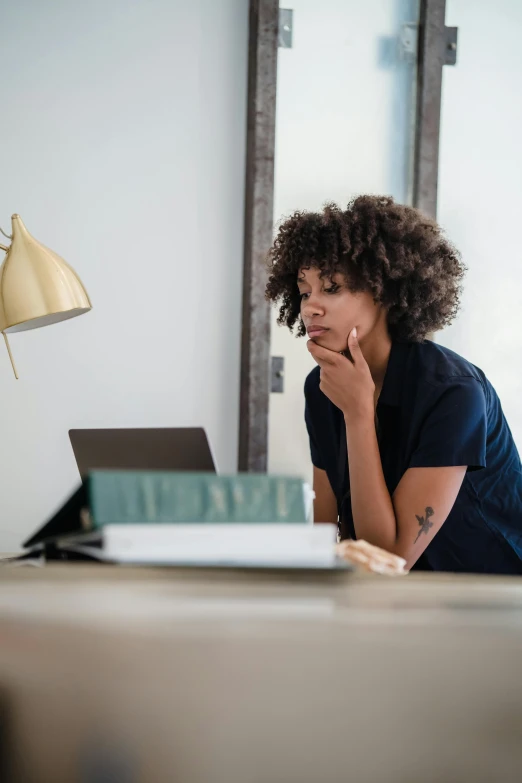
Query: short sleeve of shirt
point(454, 427)
point(314, 449)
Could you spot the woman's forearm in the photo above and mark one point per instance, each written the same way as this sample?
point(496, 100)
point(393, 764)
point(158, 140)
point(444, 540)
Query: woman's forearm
point(372, 508)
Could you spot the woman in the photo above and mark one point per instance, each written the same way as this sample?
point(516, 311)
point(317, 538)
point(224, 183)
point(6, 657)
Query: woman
point(411, 450)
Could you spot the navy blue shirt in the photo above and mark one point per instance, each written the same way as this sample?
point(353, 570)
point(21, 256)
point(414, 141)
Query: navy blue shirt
point(436, 409)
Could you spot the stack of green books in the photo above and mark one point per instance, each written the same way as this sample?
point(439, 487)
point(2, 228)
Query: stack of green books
point(201, 519)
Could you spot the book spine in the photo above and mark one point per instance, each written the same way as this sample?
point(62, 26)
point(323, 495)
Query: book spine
point(164, 498)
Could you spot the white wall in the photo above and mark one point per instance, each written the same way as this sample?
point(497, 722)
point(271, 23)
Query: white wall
point(122, 147)
point(480, 195)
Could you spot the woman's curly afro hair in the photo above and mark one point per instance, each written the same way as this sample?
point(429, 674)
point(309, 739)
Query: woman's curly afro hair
point(394, 252)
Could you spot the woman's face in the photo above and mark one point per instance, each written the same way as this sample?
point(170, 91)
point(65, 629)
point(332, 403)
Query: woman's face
point(330, 310)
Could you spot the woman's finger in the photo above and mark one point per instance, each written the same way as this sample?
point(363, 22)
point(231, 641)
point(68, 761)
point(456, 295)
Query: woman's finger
point(354, 347)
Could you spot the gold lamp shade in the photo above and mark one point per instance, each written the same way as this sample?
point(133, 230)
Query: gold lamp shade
point(37, 287)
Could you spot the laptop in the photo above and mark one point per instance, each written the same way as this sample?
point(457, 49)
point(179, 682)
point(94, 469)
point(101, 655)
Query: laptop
point(178, 448)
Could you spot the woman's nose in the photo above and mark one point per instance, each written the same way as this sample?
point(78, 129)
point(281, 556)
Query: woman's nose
point(312, 307)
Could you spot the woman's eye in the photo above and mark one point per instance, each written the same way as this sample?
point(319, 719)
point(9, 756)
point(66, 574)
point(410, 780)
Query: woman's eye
point(303, 296)
point(333, 289)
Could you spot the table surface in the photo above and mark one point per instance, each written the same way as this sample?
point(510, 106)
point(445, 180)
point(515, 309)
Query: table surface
point(210, 675)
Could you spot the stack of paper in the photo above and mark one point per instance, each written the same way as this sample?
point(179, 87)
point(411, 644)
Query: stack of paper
point(249, 545)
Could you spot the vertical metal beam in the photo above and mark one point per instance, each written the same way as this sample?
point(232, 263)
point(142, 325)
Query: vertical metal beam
point(259, 199)
point(431, 58)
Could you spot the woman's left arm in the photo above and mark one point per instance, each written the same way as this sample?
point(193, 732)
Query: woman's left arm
point(405, 523)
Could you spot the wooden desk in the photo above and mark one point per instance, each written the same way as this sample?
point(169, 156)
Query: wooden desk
point(187, 676)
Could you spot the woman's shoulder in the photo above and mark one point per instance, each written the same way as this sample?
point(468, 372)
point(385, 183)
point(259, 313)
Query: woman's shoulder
point(437, 364)
point(436, 372)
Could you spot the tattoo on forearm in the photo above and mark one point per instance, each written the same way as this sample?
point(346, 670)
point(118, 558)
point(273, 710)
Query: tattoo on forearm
point(424, 522)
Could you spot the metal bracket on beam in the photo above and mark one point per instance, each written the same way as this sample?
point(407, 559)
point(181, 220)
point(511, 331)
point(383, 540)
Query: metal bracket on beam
point(408, 42)
point(286, 28)
point(277, 383)
point(450, 45)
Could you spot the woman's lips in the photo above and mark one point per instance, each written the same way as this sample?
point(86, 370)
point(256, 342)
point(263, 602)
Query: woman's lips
point(316, 331)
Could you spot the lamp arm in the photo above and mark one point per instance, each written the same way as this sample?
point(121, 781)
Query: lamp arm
point(10, 355)
point(7, 236)
point(5, 248)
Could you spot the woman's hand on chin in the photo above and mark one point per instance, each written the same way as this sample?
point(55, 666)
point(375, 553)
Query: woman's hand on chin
point(347, 383)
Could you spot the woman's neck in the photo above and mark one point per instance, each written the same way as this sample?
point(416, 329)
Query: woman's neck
point(376, 350)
